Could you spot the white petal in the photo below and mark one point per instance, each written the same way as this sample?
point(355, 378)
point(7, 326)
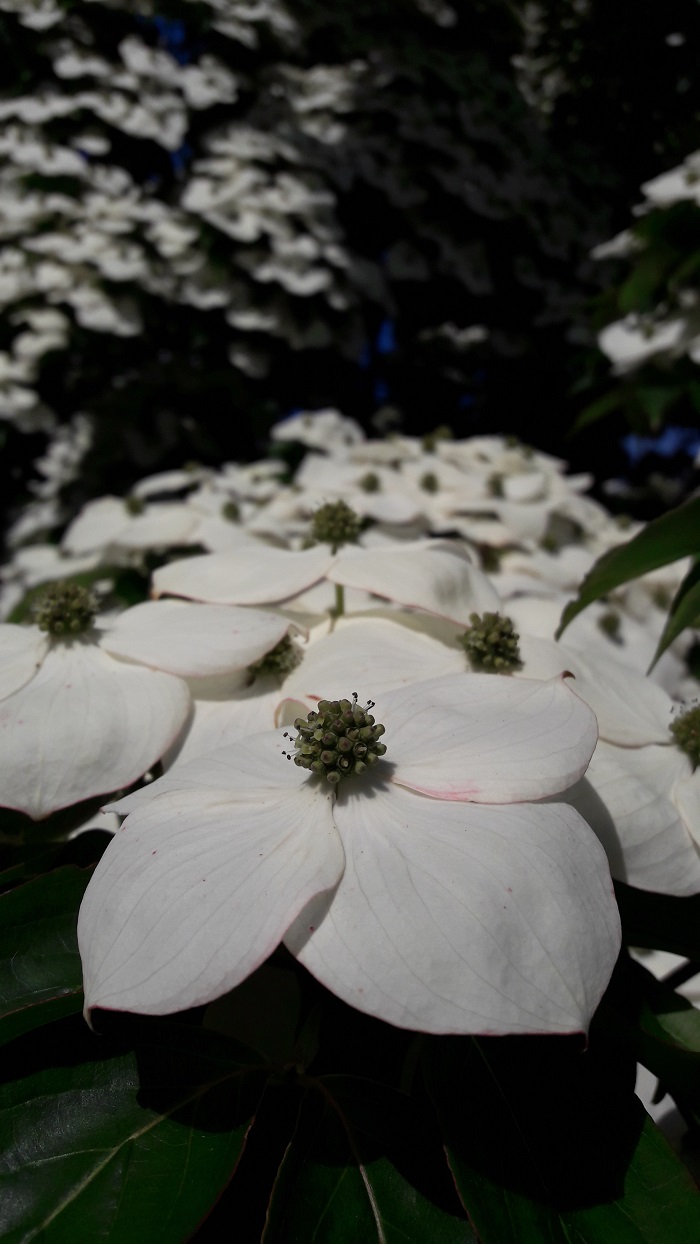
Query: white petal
point(254, 575)
point(687, 799)
point(463, 918)
point(99, 523)
point(22, 650)
point(487, 737)
point(432, 575)
point(196, 890)
point(388, 507)
point(254, 770)
point(218, 723)
point(369, 655)
point(193, 640)
point(85, 724)
point(627, 798)
point(159, 526)
point(631, 710)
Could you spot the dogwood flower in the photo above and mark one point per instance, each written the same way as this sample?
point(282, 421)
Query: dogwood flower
point(88, 705)
point(428, 890)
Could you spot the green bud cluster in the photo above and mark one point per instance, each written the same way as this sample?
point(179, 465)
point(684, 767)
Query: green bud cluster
point(661, 597)
point(490, 557)
point(230, 512)
point(281, 659)
point(338, 741)
point(442, 433)
point(491, 644)
point(65, 609)
point(609, 623)
point(371, 482)
point(336, 524)
point(686, 733)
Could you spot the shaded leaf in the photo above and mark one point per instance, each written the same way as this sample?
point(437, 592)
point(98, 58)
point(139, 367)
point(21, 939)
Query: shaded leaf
point(597, 410)
point(262, 1012)
point(668, 1036)
point(40, 971)
point(664, 540)
point(655, 401)
point(125, 1148)
point(684, 611)
point(549, 1145)
point(364, 1165)
point(659, 921)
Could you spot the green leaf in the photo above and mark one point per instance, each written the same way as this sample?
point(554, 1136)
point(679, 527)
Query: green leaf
point(124, 1148)
point(655, 400)
point(684, 612)
point(597, 410)
point(40, 973)
point(640, 291)
point(659, 921)
point(364, 1165)
point(549, 1145)
point(668, 1036)
point(665, 539)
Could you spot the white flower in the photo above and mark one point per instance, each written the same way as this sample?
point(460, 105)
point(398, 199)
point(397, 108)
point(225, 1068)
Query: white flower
point(91, 710)
point(429, 892)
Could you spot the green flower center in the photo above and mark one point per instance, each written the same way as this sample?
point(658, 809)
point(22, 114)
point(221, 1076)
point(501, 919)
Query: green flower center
point(65, 609)
point(281, 659)
point(370, 482)
point(230, 512)
point(610, 624)
point(495, 485)
point(134, 505)
point(661, 597)
point(339, 740)
point(336, 524)
point(491, 644)
point(430, 440)
point(686, 733)
point(429, 482)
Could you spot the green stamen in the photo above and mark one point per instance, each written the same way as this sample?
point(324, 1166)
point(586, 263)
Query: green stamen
point(65, 609)
point(491, 644)
point(340, 740)
point(336, 524)
point(281, 659)
point(686, 733)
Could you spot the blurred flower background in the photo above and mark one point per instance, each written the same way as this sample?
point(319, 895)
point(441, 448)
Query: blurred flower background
point(214, 214)
point(350, 350)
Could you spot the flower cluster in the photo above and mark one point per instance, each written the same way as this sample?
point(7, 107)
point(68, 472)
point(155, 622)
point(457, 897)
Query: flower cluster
point(460, 882)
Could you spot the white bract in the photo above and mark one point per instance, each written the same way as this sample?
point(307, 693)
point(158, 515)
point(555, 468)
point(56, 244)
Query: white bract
point(431, 891)
point(85, 714)
point(434, 575)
